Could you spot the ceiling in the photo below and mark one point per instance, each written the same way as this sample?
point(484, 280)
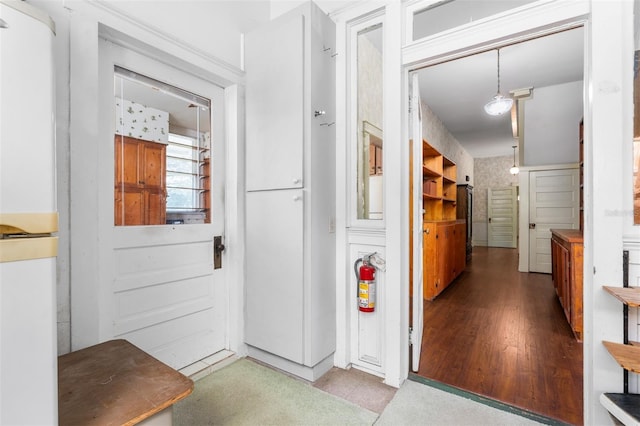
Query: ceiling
point(456, 91)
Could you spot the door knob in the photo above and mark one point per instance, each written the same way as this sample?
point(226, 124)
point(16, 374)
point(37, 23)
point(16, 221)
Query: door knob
point(218, 248)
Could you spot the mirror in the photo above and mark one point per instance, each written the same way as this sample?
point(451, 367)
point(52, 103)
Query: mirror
point(370, 181)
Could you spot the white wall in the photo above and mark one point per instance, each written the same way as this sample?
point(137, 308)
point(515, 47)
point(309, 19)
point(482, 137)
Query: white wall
point(551, 119)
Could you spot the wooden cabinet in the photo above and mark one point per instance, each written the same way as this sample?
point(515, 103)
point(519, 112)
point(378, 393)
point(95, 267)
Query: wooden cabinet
point(444, 255)
point(139, 184)
point(439, 194)
point(566, 272)
point(375, 160)
point(444, 237)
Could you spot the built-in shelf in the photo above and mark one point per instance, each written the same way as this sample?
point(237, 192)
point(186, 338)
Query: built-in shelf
point(624, 406)
point(630, 296)
point(628, 356)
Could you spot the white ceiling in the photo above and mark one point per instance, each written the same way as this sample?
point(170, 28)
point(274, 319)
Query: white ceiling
point(456, 91)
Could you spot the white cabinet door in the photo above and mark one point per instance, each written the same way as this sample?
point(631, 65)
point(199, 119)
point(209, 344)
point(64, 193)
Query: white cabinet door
point(503, 226)
point(275, 286)
point(553, 204)
point(275, 68)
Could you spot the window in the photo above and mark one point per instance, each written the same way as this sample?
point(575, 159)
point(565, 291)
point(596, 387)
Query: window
point(186, 174)
point(162, 153)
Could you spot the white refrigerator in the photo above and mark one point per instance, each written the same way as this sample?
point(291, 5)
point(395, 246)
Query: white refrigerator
point(28, 218)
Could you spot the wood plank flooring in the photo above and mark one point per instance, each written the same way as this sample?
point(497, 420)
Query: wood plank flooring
point(502, 334)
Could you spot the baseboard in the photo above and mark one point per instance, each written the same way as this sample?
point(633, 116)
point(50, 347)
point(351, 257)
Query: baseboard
point(310, 374)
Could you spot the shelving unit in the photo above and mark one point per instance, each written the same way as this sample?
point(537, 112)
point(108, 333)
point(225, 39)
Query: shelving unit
point(439, 185)
point(624, 406)
point(444, 245)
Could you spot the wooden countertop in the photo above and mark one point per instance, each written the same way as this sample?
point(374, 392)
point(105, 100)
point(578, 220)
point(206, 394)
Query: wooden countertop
point(570, 235)
point(115, 383)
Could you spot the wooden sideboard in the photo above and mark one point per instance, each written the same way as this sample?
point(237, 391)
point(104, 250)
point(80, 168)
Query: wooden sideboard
point(566, 272)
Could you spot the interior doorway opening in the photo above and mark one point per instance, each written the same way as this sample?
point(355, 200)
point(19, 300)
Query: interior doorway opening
point(493, 330)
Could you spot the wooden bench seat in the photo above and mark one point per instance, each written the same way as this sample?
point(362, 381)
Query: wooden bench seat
point(115, 383)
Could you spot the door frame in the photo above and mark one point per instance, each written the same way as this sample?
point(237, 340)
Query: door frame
point(523, 215)
point(533, 20)
point(86, 291)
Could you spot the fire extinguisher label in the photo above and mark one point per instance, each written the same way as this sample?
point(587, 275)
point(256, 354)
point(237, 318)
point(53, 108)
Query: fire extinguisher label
point(366, 295)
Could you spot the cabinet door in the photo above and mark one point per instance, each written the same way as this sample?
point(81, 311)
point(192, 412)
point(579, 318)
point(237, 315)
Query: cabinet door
point(155, 207)
point(152, 164)
point(129, 207)
point(274, 105)
point(127, 163)
point(443, 258)
point(275, 287)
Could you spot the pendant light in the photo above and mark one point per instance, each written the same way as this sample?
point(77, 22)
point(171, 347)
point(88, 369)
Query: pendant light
point(499, 104)
point(514, 170)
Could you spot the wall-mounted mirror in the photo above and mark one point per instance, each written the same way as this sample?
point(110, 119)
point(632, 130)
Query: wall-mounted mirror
point(370, 179)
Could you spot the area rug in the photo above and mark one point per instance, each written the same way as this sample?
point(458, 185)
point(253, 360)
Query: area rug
point(247, 393)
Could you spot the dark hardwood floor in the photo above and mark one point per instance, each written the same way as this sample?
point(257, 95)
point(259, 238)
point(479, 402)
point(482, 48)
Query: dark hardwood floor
point(502, 334)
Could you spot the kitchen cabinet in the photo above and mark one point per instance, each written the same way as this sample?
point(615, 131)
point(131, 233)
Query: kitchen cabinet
point(566, 273)
point(444, 255)
point(290, 160)
point(139, 190)
point(444, 236)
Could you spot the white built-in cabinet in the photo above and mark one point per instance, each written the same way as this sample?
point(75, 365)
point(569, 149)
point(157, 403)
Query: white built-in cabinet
point(290, 302)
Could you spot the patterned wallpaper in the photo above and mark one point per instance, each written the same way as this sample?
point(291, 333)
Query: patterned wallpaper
point(492, 172)
point(141, 122)
point(434, 131)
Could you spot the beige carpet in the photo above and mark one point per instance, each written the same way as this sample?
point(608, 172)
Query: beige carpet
point(247, 393)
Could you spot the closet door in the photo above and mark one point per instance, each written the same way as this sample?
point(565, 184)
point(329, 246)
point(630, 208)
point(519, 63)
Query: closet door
point(274, 286)
point(275, 110)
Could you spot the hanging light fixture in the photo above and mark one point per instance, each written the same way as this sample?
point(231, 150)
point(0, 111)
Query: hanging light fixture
point(514, 170)
point(499, 104)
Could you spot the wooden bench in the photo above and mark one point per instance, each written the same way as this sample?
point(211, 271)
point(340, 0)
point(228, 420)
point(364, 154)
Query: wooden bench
point(116, 383)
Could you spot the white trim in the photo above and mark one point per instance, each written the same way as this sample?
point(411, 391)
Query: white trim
point(217, 66)
point(533, 20)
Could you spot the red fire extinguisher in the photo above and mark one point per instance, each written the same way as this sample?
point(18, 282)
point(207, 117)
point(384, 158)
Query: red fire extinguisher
point(366, 276)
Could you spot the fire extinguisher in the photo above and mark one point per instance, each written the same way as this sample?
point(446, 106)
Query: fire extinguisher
point(366, 276)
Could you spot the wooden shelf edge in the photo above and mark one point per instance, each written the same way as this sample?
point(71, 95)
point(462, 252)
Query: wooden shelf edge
point(623, 406)
point(426, 171)
point(627, 356)
point(630, 296)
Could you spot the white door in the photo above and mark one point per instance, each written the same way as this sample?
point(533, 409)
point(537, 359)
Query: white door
point(417, 296)
point(553, 203)
point(158, 285)
point(503, 213)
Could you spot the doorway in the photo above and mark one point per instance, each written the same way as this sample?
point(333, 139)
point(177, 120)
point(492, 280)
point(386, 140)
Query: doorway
point(158, 287)
point(497, 373)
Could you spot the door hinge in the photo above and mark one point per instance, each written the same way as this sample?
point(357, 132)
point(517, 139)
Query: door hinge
point(410, 336)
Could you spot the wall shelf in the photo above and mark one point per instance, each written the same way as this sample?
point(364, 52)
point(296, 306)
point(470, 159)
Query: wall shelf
point(624, 406)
